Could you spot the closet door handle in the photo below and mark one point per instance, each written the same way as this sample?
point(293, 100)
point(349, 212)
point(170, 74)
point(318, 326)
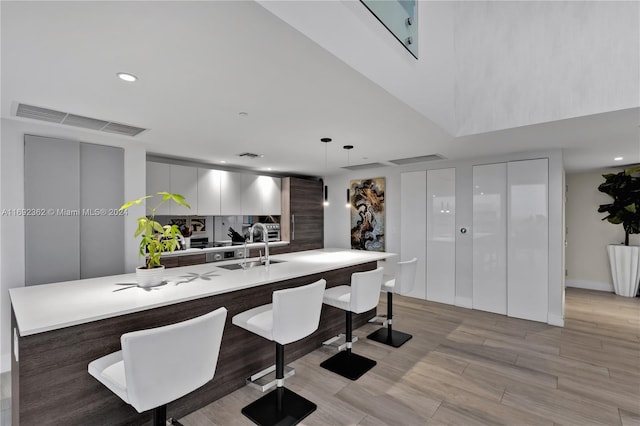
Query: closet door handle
point(293, 227)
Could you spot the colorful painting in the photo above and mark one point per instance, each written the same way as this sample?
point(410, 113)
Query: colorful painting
point(367, 214)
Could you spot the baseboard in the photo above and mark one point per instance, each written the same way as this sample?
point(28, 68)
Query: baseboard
point(464, 302)
point(556, 320)
point(590, 285)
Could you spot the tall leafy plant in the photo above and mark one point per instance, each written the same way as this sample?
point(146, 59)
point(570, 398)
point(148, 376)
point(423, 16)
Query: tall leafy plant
point(624, 188)
point(156, 239)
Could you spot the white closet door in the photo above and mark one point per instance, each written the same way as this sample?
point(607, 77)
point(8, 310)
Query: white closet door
point(413, 229)
point(490, 238)
point(528, 240)
point(441, 238)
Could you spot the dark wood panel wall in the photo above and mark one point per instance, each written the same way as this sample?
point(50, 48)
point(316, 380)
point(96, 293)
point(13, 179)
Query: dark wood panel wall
point(51, 385)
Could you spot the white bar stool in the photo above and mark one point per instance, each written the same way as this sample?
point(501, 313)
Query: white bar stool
point(293, 315)
point(362, 295)
point(159, 365)
point(401, 284)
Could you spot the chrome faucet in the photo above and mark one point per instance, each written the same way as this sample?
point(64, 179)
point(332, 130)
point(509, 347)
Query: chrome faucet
point(265, 238)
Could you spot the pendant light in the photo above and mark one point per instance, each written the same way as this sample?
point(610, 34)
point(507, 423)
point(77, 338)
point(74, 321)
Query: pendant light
point(348, 148)
point(326, 188)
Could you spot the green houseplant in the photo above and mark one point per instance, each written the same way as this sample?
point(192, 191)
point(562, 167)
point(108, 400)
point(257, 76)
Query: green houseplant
point(155, 238)
point(624, 189)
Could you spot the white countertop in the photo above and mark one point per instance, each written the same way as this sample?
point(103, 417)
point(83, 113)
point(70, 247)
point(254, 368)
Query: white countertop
point(49, 307)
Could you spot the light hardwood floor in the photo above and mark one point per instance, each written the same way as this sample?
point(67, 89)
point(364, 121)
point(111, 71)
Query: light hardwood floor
point(466, 367)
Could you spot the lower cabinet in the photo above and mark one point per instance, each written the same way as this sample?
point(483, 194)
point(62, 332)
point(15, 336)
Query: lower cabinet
point(186, 260)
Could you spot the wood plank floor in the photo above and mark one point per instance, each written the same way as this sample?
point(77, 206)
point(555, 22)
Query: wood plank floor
point(466, 367)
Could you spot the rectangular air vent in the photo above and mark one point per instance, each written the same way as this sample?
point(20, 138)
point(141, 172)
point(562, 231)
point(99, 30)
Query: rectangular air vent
point(250, 155)
point(421, 159)
point(53, 116)
point(364, 166)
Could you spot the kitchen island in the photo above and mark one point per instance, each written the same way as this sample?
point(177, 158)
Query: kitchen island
point(59, 328)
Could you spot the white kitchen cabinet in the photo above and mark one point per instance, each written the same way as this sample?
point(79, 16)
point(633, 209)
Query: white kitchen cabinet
point(251, 195)
point(230, 193)
point(261, 195)
point(184, 181)
point(528, 239)
point(441, 238)
point(272, 198)
point(208, 192)
point(158, 180)
point(413, 228)
point(490, 238)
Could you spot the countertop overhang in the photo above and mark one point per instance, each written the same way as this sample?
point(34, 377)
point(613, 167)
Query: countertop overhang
point(47, 307)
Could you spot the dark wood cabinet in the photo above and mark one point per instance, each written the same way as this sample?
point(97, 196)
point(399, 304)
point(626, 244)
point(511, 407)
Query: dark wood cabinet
point(302, 220)
point(186, 260)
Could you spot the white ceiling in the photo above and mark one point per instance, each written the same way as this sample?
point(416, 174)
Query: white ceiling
point(201, 63)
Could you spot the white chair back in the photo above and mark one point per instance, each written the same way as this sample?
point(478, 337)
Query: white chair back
point(296, 311)
point(405, 276)
point(165, 363)
point(365, 290)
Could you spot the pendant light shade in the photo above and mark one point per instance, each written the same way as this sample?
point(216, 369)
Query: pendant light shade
point(348, 148)
point(326, 188)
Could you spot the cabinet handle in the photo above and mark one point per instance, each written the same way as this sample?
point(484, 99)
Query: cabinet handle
point(293, 227)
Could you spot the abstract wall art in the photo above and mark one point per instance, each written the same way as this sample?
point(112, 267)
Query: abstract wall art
point(367, 214)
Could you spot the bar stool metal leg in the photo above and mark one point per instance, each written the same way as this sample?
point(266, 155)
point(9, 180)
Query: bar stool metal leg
point(346, 363)
point(388, 335)
point(281, 406)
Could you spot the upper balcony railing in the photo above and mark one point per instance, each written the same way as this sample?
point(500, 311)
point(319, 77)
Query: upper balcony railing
point(400, 18)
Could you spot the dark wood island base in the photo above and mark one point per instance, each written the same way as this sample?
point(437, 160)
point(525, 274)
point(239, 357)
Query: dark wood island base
point(51, 385)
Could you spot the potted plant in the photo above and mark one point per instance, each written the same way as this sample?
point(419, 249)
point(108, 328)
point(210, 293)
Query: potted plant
point(624, 188)
point(155, 239)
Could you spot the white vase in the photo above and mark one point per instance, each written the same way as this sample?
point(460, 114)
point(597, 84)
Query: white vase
point(149, 277)
point(625, 269)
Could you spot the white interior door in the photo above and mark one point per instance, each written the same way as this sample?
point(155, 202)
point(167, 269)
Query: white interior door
point(490, 238)
point(413, 229)
point(441, 238)
point(528, 239)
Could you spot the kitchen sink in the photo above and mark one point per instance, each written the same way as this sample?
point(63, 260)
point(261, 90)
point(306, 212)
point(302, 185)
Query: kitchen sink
point(247, 265)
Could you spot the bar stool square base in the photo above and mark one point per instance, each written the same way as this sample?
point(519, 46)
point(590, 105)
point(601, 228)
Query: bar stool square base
point(395, 339)
point(264, 411)
point(349, 365)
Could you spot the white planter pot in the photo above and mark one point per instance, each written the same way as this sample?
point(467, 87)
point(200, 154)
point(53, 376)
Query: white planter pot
point(625, 269)
point(149, 277)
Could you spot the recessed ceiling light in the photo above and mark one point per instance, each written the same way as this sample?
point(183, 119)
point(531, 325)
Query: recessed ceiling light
point(618, 159)
point(243, 114)
point(127, 77)
point(269, 168)
point(222, 161)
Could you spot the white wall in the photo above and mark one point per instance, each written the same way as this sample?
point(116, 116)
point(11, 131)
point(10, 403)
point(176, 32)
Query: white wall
point(337, 222)
point(588, 235)
point(12, 247)
point(489, 65)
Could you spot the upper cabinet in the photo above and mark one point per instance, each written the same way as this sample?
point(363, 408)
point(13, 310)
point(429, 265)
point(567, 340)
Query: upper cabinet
point(261, 195)
point(208, 192)
point(158, 179)
point(230, 193)
point(184, 181)
point(215, 192)
point(175, 179)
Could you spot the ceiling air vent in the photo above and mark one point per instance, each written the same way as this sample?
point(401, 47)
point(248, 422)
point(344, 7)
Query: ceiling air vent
point(421, 159)
point(364, 166)
point(250, 155)
point(53, 116)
